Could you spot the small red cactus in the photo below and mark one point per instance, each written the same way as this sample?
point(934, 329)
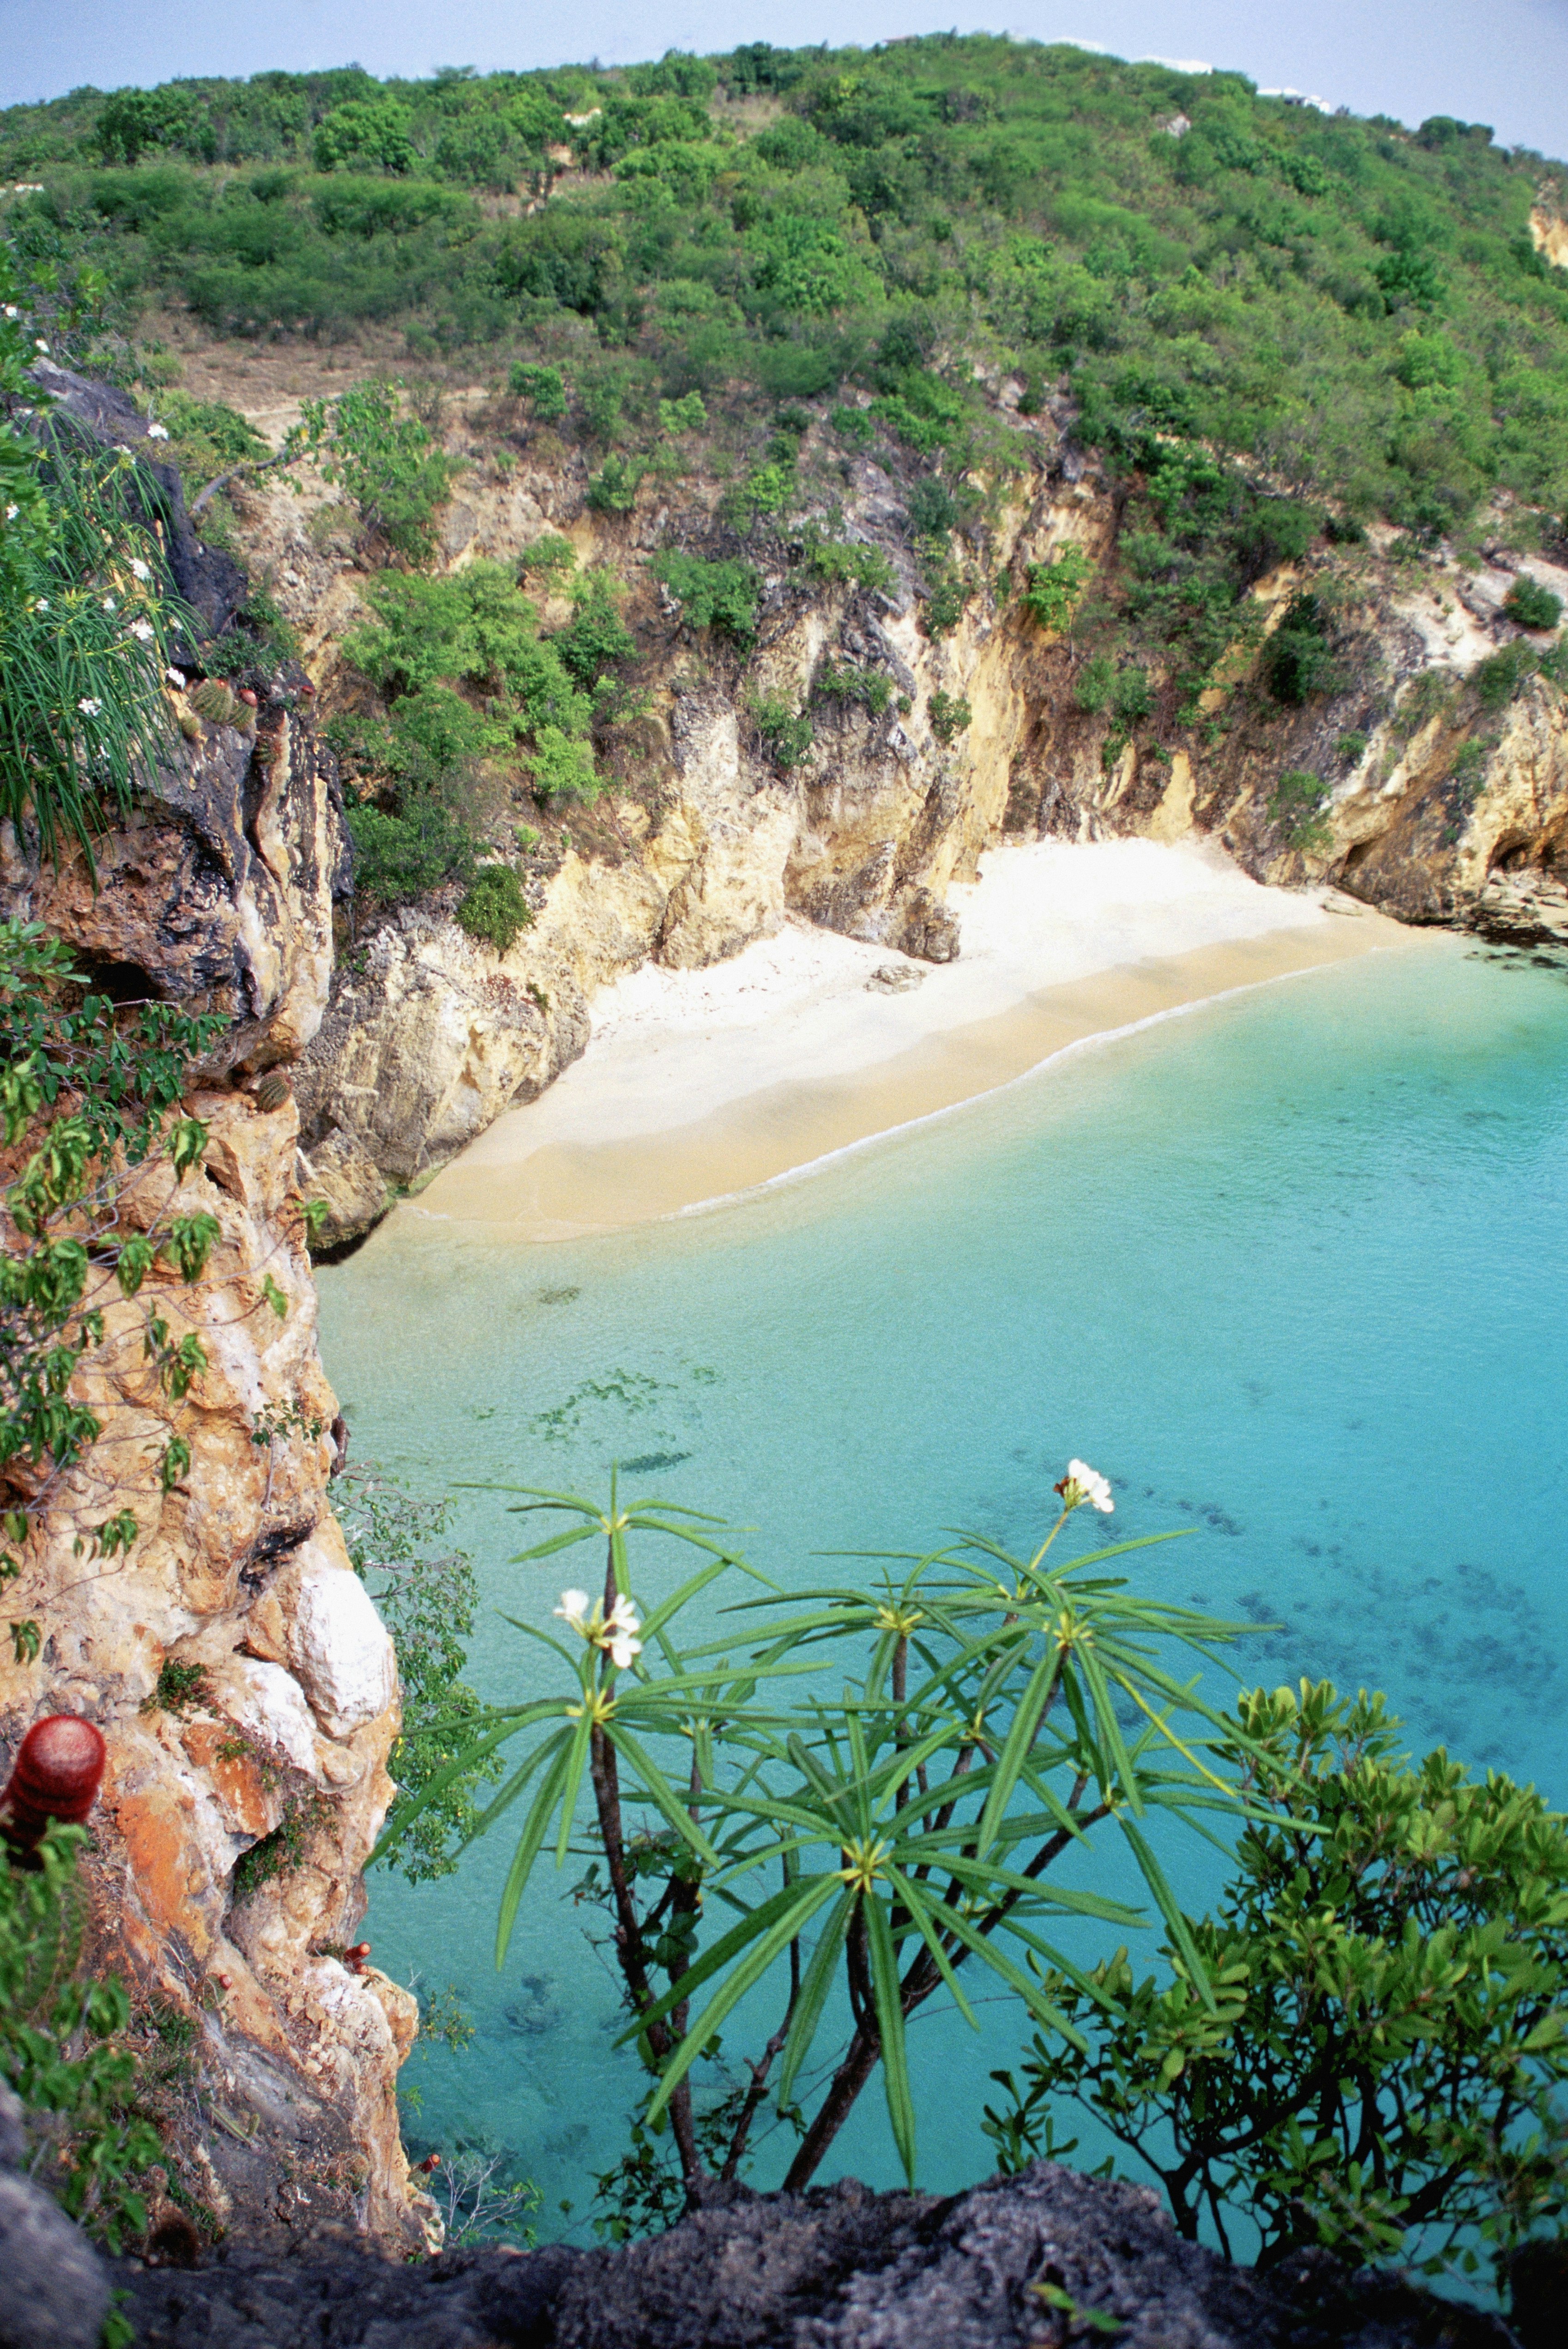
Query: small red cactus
point(56, 1776)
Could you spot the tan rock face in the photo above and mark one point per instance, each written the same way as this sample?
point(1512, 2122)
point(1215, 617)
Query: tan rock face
point(215, 894)
point(238, 1811)
point(430, 1036)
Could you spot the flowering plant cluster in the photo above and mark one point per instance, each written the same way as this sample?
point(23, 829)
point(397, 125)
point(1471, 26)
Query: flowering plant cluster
point(87, 620)
point(852, 1797)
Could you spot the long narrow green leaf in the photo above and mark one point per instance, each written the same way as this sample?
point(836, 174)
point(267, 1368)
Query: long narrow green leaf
point(404, 1812)
point(533, 1834)
point(684, 1596)
point(1016, 1747)
point(1043, 2009)
point(576, 1760)
point(568, 1540)
point(756, 1921)
point(889, 2005)
point(658, 1788)
point(918, 1903)
point(1181, 1934)
point(1111, 1729)
point(811, 1894)
point(815, 1984)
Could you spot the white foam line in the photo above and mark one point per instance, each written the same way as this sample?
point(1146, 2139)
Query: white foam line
point(1101, 1036)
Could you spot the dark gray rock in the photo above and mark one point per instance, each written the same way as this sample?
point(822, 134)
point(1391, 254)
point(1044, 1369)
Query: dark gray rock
point(54, 2288)
point(839, 2268)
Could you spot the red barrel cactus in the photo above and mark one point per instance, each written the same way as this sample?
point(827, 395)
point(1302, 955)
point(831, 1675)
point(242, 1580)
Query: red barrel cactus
point(56, 1776)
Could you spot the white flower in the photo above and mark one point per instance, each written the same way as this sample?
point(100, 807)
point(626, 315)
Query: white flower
point(42, 604)
point(1082, 1483)
point(158, 432)
point(574, 1609)
point(618, 1632)
point(41, 347)
point(12, 512)
point(109, 603)
point(176, 676)
point(89, 706)
point(142, 631)
point(12, 311)
point(138, 569)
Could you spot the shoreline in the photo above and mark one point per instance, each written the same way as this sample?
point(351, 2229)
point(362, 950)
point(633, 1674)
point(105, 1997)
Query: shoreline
point(698, 1087)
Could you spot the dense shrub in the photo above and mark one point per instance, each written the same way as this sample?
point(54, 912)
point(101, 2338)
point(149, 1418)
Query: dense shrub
point(396, 474)
point(494, 908)
point(1533, 605)
point(1298, 660)
point(1361, 311)
point(722, 596)
point(1296, 804)
point(1377, 2069)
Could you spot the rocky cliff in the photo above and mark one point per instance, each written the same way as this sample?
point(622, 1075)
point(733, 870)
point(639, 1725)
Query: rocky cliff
point(1438, 792)
point(243, 1682)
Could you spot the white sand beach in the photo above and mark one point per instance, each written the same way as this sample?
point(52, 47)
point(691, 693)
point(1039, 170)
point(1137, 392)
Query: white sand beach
point(700, 1083)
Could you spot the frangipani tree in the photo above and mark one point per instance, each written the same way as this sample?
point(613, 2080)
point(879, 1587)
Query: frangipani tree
point(857, 1796)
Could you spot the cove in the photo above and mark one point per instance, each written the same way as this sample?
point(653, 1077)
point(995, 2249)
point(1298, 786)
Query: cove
point(1289, 1268)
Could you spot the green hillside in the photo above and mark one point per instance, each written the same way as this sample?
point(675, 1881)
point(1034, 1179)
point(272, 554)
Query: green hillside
point(1359, 306)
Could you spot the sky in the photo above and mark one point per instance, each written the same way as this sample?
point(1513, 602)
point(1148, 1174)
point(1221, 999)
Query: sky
point(1505, 62)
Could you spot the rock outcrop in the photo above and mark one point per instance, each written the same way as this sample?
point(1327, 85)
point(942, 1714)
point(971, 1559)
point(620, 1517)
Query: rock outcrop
point(975, 735)
point(231, 1658)
point(1029, 2262)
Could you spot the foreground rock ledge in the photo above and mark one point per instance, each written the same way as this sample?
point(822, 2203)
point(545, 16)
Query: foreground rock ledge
point(839, 2268)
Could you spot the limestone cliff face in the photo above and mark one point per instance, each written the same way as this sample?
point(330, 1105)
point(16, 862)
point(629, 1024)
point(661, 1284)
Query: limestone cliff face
point(244, 1791)
point(429, 1036)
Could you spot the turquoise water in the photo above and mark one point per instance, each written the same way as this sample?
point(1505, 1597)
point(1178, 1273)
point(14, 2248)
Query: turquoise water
point(1290, 1269)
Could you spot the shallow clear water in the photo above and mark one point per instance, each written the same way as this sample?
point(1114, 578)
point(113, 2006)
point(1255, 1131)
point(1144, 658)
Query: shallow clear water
point(1290, 1269)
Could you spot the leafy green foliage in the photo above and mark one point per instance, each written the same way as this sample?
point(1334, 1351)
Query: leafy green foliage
point(562, 767)
point(1532, 606)
point(597, 641)
point(365, 131)
point(286, 1847)
point(614, 488)
point(868, 688)
point(848, 563)
point(1298, 660)
point(1380, 2066)
point(784, 732)
point(178, 1686)
point(851, 1793)
point(1298, 805)
point(429, 645)
point(99, 1095)
point(426, 1598)
point(947, 597)
point(396, 474)
point(494, 908)
point(543, 387)
point(1055, 589)
point(1358, 307)
point(59, 2045)
point(950, 716)
point(722, 596)
point(87, 618)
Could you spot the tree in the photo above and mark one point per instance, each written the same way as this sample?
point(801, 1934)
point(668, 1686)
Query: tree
point(369, 132)
point(426, 1597)
point(1370, 2053)
point(852, 1797)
